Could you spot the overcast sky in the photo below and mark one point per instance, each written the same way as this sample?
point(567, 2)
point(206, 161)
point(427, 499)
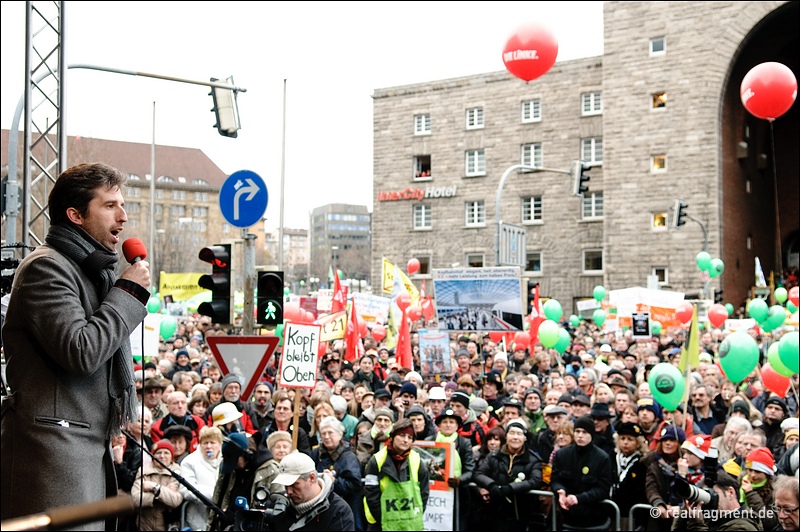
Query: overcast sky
point(333, 56)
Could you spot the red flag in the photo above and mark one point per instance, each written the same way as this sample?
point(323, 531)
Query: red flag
point(536, 318)
point(402, 351)
point(354, 349)
point(338, 299)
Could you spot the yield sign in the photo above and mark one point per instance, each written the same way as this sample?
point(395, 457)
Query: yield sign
point(245, 356)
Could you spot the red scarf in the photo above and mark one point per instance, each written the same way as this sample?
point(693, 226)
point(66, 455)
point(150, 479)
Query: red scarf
point(397, 457)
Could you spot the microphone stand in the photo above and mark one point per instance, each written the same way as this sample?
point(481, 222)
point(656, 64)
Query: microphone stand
point(205, 500)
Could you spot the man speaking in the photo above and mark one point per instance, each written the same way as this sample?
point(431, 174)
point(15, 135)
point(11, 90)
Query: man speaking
point(66, 338)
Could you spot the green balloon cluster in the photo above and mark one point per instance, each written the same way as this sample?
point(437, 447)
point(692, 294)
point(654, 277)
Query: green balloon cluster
point(775, 318)
point(774, 359)
point(552, 310)
point(738, 356)
point(703, 260)
point(563, 341)
point(599, 317)
point(716, 268)
point(758, 309)
point(574, 320)
point(548, 333)
point(666, 385)
point(788, 351)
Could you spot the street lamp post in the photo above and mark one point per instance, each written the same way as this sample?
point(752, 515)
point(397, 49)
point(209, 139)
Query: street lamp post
point(334, 249)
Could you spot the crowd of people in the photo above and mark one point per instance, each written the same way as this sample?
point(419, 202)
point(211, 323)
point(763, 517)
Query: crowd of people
point(581, 425)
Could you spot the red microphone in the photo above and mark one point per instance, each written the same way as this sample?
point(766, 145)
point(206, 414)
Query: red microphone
point(134, 250)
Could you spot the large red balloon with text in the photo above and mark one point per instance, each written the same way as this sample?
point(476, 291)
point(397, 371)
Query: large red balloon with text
point(530, 51)
point(768, 90)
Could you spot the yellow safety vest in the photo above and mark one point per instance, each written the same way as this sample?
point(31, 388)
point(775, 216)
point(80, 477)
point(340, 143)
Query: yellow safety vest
point(380, 459)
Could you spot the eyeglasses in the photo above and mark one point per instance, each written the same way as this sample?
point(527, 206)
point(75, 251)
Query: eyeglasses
point(782, 510)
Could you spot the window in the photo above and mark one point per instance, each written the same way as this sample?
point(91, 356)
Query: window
point(531, 154)
point(658, 163)
point(592, 261)
point(532, 209)
point(422, 167)
point(532, 111)
point(132, 207)
point(134, 177)
point(200, 182)
point(177, 210)
point(422, 124)
point(592, 206)
point(533, 261)
point(659, 100)
point(591, 103)
point(476, 163)
point(133, 192)
point(475, 260)
point(592, 150)
point(165, 179)
point(424, 264)
point(199, 212)
point(179, 195)
point(475, 213)
point(201, 196)
point(133, 222)
point(658, 46)
point(658, 221)
point(226, 228)
point(662, 274)
point(422, 216)
point(475, 118)
point(159, 193)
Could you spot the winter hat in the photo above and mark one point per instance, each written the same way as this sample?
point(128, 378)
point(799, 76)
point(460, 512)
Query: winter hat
point(517, 423)
point(230, 378)
point(630, 429)
point(338, 403)
point(462, 353)
point(741, 407)
point(790, 423)
point(789, 433)
point(448, 414)
point(415, 410)
point(403, 427)
point(647, 403)
point(671, 432)
point(275, 437)
point(451, 386)
point(698, 445)
point(163, 444)
point(138, 375)
point(383, 411)
point(565, 398)
point(408, 387)
point(779, 402)
point(502, 355)
point(268, 385)
point(460, 397)
point(586, 423)
point(182, 353)
point(600, 411)
point(761, 459)
point(478, 405)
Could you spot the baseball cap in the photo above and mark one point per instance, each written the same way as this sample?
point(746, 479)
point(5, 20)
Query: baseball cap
point(292, 466)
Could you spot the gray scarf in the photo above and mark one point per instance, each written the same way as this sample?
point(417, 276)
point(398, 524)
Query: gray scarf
point(99, 263)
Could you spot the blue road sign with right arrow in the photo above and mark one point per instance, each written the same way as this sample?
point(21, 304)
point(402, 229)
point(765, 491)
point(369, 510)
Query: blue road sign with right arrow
point(243, 198)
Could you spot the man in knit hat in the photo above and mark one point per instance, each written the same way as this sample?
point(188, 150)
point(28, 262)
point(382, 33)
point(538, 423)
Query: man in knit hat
point(231, 393)
point(470, 427)
point(775, 410)
point(582, 477)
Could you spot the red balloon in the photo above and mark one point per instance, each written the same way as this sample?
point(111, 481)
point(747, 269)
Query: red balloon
point(378, 332)
point(412, 266)
point(717, 314)
point(293, 312)
point(403, 300)
point(530, 51)
point(414, 313)
point(496, 336)
point(774, 381)
point(522, 340)
point(322, 349)
point(684, 312)
point(794, 295)
point(362, 326)
point(768, 90)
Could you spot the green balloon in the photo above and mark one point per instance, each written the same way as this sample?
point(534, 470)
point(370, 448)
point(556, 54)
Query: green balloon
point(729, 308)
point(655, 327)
point(716, 268)
point(563, 341)
point(758, 309)
point(774, 358)
point(574, 320)
point(738, 356)
point(792, 307)
point(780, 296)
point(168, 326)
point(552, 310)
point(703, 260)
point(666, 385)
point(279, 333)
point(286, 291)
point(153, 305)
point(775, 318)
point(548, 333)
point(599, 317)
point(788, 349)
point(599, 292)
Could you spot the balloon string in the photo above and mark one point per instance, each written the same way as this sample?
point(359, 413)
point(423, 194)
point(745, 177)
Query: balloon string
point(778, 252)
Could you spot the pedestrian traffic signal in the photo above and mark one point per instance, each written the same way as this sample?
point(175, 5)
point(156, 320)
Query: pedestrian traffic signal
point(679, 210)
point(579, 178)
point(269, 298)
point(226, 110)
point(220, 308)
point(717, 296)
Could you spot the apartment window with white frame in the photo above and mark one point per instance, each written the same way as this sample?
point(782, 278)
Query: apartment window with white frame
point(592, 206)
point(179, 195)
point(532, 209)
point(533, 261)
point(662, 274)
point(177, 210)
point(475, 213)
point(159, 210)
point(422, 124)
point(531, 154)
point(159, 193)
point(422, 167)
point(475, 260)
point(592, 261)
point(592, 150)
point(658, 46)
point(199, 212)
point(132, 207)
point(422, 216)
point(133, 192)
point(591, 103)
point(475, 118)
point(658, 164)
point(201, 196)
point(475, 163)
point(532, 111)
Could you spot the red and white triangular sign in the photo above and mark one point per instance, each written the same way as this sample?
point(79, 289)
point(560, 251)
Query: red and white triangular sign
point(245, 356)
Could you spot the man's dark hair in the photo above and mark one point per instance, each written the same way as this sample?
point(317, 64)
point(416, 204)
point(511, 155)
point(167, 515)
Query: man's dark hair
point(725, 481)
point(75, 188)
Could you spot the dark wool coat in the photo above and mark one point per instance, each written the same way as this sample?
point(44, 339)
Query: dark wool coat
point(347, 481)
point(522, 474)
point(585, 472)
point(59, 338)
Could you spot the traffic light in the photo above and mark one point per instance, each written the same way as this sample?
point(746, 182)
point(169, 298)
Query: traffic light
point(220, 308)
point(226, 110)
point(717, 296)
point(579, 178)
point(269, 298)
point(679, 210)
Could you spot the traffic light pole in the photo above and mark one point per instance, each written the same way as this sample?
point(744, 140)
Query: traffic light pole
point(249, 267)
point(707, 284)
point(500, 195)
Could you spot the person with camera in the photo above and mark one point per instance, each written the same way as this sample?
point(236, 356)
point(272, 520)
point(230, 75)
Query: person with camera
point(729, 514)
point(313, 503)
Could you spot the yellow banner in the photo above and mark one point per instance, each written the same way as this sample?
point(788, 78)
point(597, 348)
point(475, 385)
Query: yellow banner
point(181, 286)
point(333, 326)
point(388, 281)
